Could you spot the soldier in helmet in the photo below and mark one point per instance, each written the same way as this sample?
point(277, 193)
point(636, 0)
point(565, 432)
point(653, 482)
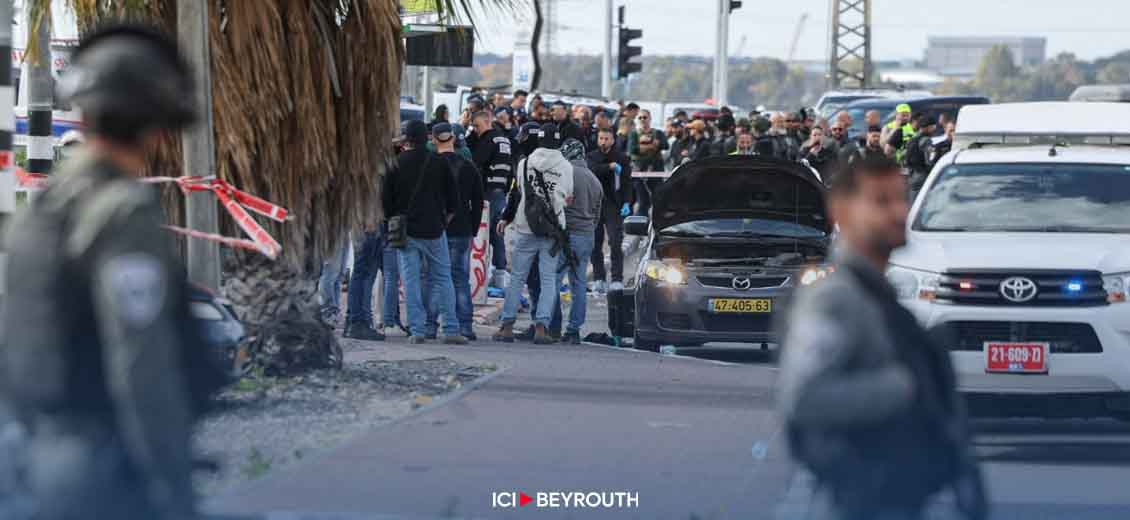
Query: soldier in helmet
point(97, 357)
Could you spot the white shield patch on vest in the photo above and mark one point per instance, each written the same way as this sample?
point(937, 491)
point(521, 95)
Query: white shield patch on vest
point(137, 284)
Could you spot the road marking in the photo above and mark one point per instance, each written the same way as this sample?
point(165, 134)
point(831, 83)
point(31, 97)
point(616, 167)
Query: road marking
point(679, 356)
point(662, 424)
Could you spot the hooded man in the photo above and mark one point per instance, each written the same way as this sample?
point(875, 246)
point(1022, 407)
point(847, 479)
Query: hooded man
point(544, 185)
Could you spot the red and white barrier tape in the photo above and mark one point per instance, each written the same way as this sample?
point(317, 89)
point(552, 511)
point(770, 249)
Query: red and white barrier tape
point(31, 181)
point(234, 200)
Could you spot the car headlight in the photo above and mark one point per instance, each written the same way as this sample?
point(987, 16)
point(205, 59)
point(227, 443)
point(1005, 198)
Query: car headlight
point(911, 284)
point(667, 273)
point(815, 274)
point(1116, 286)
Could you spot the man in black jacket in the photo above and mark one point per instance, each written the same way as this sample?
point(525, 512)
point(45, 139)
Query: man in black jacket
point(600, 121)
point(566, 128)
point(919, 152)
point(460, 232)
point(421, 190)
point(615, 173)
point(724, 141)
point(493, 157)
point(868, 397)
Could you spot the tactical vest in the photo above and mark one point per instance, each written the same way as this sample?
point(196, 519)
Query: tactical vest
point(53, 354)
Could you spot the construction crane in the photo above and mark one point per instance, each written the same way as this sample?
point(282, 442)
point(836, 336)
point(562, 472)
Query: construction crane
point(796, 37)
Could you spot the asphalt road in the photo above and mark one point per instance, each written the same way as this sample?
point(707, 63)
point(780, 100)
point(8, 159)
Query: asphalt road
point(692, 437)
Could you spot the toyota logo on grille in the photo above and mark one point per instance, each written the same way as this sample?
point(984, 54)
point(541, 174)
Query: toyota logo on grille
point(1018, 289)
point(741, 283)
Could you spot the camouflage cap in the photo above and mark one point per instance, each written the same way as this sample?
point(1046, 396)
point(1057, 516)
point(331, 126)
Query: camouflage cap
point(573, 150)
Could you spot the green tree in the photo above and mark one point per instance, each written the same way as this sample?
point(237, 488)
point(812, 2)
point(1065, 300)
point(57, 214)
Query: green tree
point(997, 68)
point(1114, 73)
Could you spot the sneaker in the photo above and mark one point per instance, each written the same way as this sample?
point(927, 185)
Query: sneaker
point(599, 287)
point(554, 335)
point(616, 286)
point(417, 340)
point(454, 340)
point(505, 333)
point(571, 337)
point(526, 335)
point(541, 337)
point(470, 336)
point(362, 331)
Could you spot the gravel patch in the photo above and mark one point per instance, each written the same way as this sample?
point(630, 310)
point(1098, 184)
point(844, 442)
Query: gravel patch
point(263, 424)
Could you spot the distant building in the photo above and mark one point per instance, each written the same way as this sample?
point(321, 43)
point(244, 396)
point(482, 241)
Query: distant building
point(959, 56)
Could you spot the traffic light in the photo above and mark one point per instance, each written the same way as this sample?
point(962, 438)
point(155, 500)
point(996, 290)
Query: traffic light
point(735, 5)
point(627, 52)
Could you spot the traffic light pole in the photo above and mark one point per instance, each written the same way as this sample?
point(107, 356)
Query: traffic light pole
point(203, 257)
point(721, 52)
point(7, 129)
point(606, 63)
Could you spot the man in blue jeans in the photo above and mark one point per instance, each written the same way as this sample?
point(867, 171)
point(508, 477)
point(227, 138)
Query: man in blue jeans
point(581, 219)
point(494, 158)
point(421, 190)
point(545, 185)
point(329, 283)
point(390, 298)
point(367, 258)
point(461, 229)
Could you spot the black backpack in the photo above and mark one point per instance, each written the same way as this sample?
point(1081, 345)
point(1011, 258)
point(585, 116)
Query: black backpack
point(539, 211)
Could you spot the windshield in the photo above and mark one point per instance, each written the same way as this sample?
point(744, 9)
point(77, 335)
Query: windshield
point(833, 104)
point(859, 118)
point(410, 114)
point(1075, 198)
point(741, 227)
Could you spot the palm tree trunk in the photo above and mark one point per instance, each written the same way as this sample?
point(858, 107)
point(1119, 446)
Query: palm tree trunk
point(279, 305)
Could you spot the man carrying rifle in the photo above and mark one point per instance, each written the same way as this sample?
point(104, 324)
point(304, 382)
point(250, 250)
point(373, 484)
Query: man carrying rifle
point(544, 187)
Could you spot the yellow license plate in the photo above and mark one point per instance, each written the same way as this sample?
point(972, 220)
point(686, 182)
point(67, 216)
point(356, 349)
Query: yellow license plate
point(741, 305)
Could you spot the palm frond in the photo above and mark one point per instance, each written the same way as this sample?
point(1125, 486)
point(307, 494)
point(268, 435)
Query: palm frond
point(471, 12)
point(38, 13)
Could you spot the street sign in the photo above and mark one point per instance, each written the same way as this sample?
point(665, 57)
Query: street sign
point(523, 67)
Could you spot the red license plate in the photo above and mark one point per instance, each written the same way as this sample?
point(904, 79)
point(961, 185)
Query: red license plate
point(1012, 357)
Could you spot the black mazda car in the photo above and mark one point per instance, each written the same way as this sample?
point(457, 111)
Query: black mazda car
point(729, 239)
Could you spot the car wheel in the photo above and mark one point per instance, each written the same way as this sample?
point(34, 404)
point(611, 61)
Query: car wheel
point(642, 344)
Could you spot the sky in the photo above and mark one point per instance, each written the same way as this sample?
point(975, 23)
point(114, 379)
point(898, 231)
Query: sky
point(1088, 28)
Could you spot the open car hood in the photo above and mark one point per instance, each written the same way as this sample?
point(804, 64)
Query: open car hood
point(741, 186)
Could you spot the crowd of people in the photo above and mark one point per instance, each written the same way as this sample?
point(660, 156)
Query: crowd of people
point(538, 165)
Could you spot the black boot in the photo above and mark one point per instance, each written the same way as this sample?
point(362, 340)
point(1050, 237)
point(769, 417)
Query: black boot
point(362, 331)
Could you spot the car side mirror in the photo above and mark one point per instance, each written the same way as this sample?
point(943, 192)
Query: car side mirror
point(636, 226)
